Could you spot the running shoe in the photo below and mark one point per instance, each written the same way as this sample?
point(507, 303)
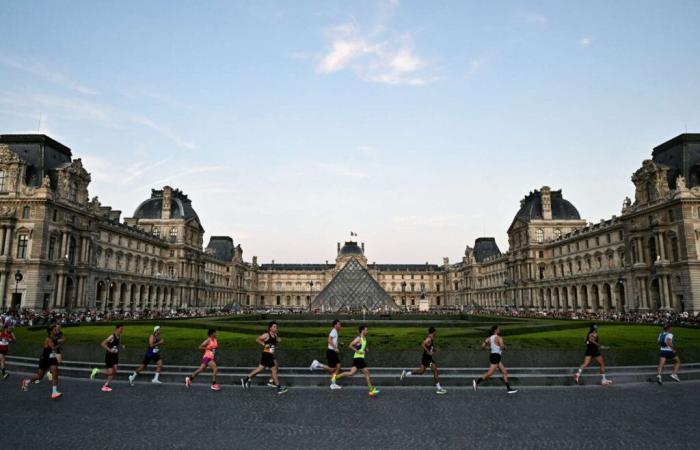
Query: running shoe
point(675, 378)
point(577, 377)
point(441, 391)
point(156, 381)
point(131, 380)
point(512, 391)
point(24, 385)
point(606, 382)
point(315, 365)
point(215, 387)
point(659, 380)
point(94, 373)
point(271, 383)
point(403, 374)
point(188, 382)
point(49, 375)
point(335, 386)
point(282, 390)
point(245, 383)
point(6, 375)
point(56, 395)
point(106, 388)
point(474, 385)
point(36, 381)
point(373, 392)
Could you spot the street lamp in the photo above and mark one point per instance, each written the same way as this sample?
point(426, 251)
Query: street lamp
point(18, 278)
point(311, 291)
point(403, 293)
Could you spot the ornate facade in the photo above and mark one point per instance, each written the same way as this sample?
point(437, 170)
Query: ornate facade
point(62, 250)
point(74, 252)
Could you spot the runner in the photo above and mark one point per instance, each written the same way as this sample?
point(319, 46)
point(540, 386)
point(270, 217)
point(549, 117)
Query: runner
point(6, 338)
point(152, 355)
point(47, 362)
point(111, 346)
point(428, 346)
point(332, 354)
point(668, 351)
point(359, 346)
point(209, 347)
point(59, 340)
point(269, 342)
point(593, 348)
point(495, 345)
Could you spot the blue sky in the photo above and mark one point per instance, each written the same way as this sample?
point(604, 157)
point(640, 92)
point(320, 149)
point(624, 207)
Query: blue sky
point(418, 125)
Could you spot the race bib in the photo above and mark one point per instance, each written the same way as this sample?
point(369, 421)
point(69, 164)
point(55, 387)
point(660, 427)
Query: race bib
point(4, 342)
point(52, 355)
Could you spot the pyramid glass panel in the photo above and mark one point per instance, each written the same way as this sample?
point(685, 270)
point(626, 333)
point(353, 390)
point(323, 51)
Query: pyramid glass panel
point(353, 289)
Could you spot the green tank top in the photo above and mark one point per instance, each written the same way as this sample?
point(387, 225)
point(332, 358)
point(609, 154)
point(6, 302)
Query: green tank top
point(363, 345)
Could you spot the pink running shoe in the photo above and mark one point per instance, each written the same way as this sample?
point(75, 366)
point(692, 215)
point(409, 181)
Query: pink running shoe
point(577, 377)
point(24, 385)
point(56, 395)
point(106, 388)
point(215, 387)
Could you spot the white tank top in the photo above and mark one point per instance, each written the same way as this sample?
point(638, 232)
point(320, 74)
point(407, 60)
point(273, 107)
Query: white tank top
point(495, 348)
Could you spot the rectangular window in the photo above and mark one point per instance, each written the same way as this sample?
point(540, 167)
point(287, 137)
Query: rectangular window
point(22, 246)
point(2, 180)
point(52, 248)
point(25, 212)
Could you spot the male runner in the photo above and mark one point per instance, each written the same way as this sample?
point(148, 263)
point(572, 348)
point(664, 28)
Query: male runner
point(427, 360)
point(111, 346)
point(668, 351)
point(332, 354)
point(209, 347)
point(495, 345)
point(359, 346)
point(59, 340)
point(269, 342)
point(47, 362)
point(593, 348)
point(152, 355)
point(6, 338)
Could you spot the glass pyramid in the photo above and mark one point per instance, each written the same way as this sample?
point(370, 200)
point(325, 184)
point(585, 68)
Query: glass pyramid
point(353, 289)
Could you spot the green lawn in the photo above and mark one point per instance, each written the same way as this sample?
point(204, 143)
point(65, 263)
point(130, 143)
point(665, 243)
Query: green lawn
point(241, 335)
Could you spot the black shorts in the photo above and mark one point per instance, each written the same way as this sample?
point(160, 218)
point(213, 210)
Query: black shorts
point(360, 363)
point(147, 359)
point(267, 360)
point(332, 357)
point(46, 363)
point(494, 358)
point(426, 360)
point(111, 360)
point(592, 352)
point(3, 351)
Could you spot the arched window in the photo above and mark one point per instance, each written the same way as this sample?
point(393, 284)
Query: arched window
point(539, 234)
point(2, 180)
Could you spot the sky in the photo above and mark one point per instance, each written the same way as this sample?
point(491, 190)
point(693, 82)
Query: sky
point(417, 125)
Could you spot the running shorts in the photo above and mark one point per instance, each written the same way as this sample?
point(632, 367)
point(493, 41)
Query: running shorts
point(111, 360)
point(360, 363)
point(267, 360)
point(426, 360)
point(668, 354)
point(494, 358)
point(332, 357)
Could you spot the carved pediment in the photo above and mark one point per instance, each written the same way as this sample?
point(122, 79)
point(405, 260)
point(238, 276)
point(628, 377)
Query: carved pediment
point(651, 183)
point(7, 156)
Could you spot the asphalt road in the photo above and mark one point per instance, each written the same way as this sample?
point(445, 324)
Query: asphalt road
point(169, 416)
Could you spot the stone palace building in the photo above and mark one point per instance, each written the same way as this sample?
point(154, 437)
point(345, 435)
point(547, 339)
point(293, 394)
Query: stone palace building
point(61, 249)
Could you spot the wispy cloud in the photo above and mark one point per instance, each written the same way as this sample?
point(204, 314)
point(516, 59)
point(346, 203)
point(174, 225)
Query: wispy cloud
point(164, 131)
point(341, 171)
point(585, 41)
point(47, 74)
point(377, 55)
point(532, 18)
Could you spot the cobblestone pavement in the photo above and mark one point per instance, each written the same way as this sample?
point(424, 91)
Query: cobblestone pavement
point(170, 416)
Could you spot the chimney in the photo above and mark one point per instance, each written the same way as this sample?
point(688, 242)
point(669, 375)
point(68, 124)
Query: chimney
point(545, 195)
point(363, 247)
point(255, 261)
point(165, 211)
point(338, 251)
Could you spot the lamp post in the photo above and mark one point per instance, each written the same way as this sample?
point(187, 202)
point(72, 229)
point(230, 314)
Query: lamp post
point(108, 281)
point(311, 291)
point(403, 293)
point(18, 278)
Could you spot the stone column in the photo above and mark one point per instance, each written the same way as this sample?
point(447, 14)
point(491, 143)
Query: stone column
point(664, 292)
point(661, 246)
point(3, 291)
point(7, 249)
point(64, 244)
point(640, 250)
point(2, 241)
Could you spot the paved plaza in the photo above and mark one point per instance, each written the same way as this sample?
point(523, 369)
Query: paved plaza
point(639, 416)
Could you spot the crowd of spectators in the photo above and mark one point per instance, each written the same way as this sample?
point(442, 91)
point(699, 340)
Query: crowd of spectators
point(648, 317)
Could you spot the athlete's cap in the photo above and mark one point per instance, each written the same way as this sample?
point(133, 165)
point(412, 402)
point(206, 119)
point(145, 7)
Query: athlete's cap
point(156, 328)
